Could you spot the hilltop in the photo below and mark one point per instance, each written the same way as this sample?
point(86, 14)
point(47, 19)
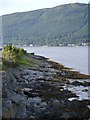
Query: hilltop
point(51, 26)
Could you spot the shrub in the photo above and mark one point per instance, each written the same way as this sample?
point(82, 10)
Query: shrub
point(11, 54)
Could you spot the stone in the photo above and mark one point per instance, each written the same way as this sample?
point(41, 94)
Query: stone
point(76, 83)
point(41, 92)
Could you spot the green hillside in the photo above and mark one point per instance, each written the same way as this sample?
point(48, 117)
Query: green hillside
point(52, 26)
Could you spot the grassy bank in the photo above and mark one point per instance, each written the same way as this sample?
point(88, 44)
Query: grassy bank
point(14, 57)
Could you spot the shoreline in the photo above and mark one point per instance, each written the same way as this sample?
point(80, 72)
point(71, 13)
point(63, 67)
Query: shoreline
point(44, 90)
point(65, 56)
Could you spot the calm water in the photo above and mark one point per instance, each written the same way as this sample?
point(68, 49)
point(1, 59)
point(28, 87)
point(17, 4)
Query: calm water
point(73, 57)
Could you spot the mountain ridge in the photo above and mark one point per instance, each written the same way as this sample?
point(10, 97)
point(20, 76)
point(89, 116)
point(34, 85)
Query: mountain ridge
point(45, 8)
point(49, 26)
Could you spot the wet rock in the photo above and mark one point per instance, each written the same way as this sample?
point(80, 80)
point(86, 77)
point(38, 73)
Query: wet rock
point(41, 92)
point(56, 102)
point(8, 111)
point(86, 84)
point(20, 110)
point(85, 90)
point(76, 83)
point(31, 94)
point(65, 115)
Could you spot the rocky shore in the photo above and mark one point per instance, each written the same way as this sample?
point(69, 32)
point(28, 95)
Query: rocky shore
point(44, 90)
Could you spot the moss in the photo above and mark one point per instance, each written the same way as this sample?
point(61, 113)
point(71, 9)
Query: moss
point(49, 91)
point(78, 110)
point(68, 71)
point(56, 65)
point(76, 75)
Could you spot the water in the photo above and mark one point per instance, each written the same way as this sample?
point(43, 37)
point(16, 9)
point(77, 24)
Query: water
point(83, 93)
point(73, 57)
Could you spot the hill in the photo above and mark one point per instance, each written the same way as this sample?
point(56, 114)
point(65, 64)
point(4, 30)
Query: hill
point(51, 26)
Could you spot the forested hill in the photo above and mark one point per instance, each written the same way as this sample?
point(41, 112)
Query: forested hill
point(51, 26)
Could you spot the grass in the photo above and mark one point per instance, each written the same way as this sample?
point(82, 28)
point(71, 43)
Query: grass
point(14, 57)
point(26, 61)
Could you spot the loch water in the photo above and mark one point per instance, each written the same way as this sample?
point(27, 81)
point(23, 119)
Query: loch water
point(73, 57)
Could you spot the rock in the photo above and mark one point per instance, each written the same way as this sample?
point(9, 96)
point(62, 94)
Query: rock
point(20, 110)
point(8, 111)
point(32, 53)
point(65, 115)
point(86, 83)
point(16, 98)
point(76, 83)
point(31, 94)
point(41, 92)
point(63, 74)
point(84, 90)
point(56, 102)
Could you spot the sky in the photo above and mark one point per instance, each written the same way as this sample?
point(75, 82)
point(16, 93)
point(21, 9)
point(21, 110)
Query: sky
point(11, 6)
